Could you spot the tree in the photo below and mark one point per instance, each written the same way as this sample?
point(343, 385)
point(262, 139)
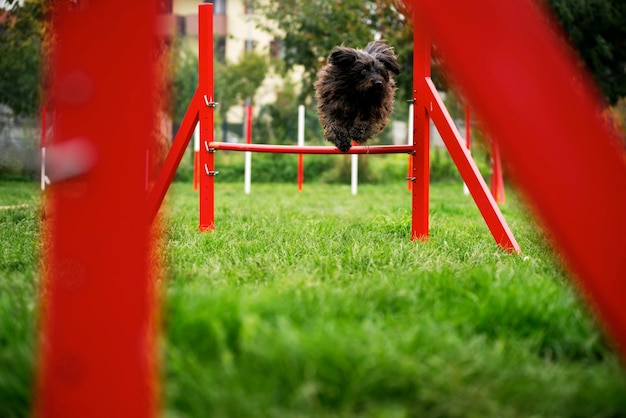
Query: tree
point(309, 29)
point(236, 81)
point(597, 29)
point(21, 34)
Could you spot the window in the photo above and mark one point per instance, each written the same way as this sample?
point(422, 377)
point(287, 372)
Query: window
point(219, 6)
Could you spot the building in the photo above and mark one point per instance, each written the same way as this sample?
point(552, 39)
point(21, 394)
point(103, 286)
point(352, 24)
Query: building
point(234, 33)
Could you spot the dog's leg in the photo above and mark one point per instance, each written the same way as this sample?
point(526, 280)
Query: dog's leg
point(361, 130)
point(338, 136)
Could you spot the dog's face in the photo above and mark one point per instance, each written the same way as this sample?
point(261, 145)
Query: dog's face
point(369, 70)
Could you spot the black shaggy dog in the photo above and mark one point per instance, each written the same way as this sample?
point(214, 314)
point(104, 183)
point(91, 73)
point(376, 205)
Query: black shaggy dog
point(355, 92)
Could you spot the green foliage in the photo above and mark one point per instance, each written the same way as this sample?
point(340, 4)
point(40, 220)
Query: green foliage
point(597, 29)
point(310, 29)
point(236, 81)
point(277, 122)
point(19, 227)
point(21, 51)
point(185, 77)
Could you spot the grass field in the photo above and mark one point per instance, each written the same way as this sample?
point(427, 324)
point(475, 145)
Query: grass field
point(317, 304)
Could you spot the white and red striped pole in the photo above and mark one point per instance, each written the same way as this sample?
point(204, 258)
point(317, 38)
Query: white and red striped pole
point(300, 144)
point(248, 155)
point(196, 156)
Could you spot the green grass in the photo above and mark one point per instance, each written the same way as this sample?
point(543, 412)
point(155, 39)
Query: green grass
point(317, 304)
point(19, 228)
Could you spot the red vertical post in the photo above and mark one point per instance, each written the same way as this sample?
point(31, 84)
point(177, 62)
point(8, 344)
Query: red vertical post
point(97, 354)
point(248, 123)
point(206, 108)
point(300, 171)
point(420, 159)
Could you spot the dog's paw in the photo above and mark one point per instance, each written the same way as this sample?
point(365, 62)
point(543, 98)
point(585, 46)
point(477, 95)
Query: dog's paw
point(343, 146)
point(342, 142)
point(358, 132)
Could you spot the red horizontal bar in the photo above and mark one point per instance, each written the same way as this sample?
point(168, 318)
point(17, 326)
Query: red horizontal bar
point(293, 149)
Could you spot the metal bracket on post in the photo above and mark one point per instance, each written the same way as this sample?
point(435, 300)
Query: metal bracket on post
point(209, 172)
point(210, 103)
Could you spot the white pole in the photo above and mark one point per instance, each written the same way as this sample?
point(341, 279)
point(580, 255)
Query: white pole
point(43, 168)
point(355, 173)
point(410, 124)
point(247, 174)
point(301, 125)
point(196, 138)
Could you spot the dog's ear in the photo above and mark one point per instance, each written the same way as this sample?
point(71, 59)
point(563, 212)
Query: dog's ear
point(384, 53)
point(390, 63)
point(342, 57)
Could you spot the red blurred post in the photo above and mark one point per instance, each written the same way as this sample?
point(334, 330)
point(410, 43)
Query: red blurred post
point(468, 129)
point(97, 354)
point(420, 161)
point(497, 180)
point(206, 104)
point(530, 70)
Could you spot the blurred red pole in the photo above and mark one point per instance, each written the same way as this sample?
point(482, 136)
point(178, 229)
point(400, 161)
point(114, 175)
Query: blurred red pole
point(570, 164)
point(97, 354)
point(468, 129)
point(497, 180)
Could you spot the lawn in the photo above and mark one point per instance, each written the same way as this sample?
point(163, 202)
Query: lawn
point(317, 304)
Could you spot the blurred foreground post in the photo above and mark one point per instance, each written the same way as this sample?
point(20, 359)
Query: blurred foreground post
point(570, 164)
point(97, 350)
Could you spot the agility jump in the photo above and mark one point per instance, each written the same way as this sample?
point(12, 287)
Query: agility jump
point(427, 104)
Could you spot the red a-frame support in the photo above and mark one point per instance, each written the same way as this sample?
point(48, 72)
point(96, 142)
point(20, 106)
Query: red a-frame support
point(428, 104)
